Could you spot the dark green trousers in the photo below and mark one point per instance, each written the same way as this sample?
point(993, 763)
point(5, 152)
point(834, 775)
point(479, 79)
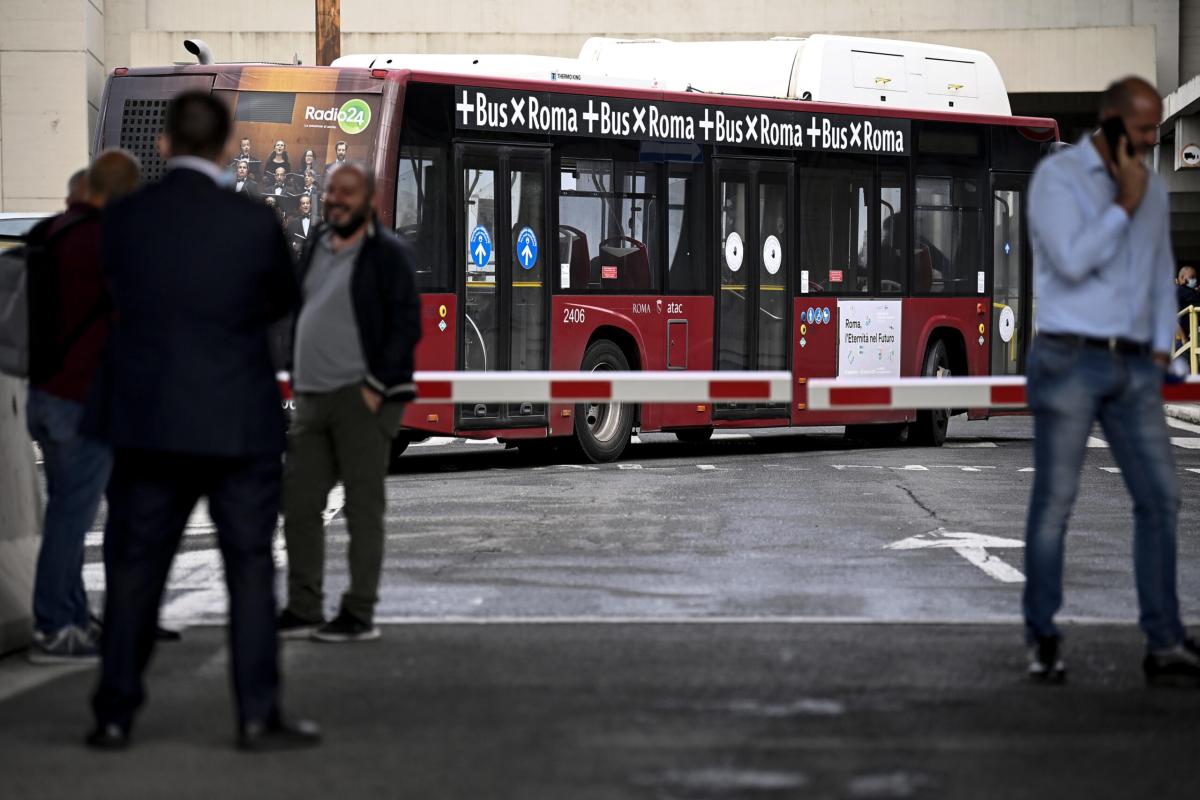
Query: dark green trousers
point(335, 437)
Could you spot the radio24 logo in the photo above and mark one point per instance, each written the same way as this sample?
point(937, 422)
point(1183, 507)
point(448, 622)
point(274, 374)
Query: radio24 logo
point(353, 117)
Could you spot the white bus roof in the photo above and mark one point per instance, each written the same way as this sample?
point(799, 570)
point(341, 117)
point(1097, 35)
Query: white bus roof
point(822, 68)
point(500, 65)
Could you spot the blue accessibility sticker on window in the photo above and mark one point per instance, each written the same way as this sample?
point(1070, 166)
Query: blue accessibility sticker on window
point(527, 248)
point(480, 246)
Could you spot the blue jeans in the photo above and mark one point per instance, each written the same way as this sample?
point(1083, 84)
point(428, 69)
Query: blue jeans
point(1069, 388)
point(77, 470)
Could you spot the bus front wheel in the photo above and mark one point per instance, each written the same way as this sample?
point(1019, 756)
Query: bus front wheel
point(603, 429)
point(931, 426)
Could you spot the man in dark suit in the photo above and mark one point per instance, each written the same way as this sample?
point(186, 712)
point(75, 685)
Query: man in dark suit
point(243, 182)
point(188, 400)
point(278, 186)
point(301, 224)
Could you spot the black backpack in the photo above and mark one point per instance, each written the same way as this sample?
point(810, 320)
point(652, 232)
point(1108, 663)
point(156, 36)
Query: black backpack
point(32, 344)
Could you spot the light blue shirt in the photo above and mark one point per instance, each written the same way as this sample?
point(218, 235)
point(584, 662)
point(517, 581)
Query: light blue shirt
point(1097, 272)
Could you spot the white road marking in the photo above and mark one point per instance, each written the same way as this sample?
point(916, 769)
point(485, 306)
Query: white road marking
point(435, 441)
point(1113, 470)
point(629, 466)
point(481, 441)
point(1186, 442)
point(1183, 426)
point(334, 503)
point(1026, 469)
point(706, 467)
point(1096, 442)
point(964, 467)
point(953, 445)
point(971, 546)
point(635, 439)
point(912, 468)
point(1194, 469)
point(728, 436)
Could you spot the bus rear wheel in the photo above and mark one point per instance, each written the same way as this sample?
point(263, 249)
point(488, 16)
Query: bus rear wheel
point(931, 426)
point(603, 429)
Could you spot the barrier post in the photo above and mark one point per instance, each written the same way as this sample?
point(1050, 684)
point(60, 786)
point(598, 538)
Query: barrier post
point(20, 518)
point(1192, 311)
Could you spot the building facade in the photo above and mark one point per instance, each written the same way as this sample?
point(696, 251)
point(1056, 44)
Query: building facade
point(1055, 55)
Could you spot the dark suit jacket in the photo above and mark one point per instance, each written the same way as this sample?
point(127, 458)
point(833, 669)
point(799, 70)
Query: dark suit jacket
point(197, 274)
point(249, 188)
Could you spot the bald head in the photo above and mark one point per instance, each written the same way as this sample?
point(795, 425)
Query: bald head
point(115, 172)
point(1125, 96)
point(1139, 106)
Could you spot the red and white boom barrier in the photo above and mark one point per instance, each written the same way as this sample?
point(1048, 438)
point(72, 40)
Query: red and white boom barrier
point(862, 394)
point(681, 386)
point(604, 387)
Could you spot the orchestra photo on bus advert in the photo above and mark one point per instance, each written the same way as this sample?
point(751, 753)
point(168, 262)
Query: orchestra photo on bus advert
point(286, 145)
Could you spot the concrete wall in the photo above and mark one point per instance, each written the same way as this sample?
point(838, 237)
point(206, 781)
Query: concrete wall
point(1189, 40)
point(20, 518)
point(51, 78)
point(54, 53)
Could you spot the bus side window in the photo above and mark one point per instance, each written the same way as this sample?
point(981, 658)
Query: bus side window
point(834, 220)
point(421, 214)
point(948, 245)
point(606, 226)
point(893, 233)
point(685, 230)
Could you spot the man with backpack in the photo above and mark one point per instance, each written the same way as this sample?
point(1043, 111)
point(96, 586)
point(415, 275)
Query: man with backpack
point(69, 311)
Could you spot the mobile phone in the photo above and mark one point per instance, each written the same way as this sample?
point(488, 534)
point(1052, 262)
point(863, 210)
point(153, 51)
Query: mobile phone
point(1113, 129)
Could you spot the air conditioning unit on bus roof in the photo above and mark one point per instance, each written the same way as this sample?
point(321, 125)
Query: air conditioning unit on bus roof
point(824, 68)
point(501, 65)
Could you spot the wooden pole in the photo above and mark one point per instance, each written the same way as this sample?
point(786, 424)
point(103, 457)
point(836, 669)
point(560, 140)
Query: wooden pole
point(329, 31)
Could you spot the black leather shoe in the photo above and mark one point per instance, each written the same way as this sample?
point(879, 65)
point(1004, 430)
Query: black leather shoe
point(265, 737)
point(108, 736)
point(166, 634)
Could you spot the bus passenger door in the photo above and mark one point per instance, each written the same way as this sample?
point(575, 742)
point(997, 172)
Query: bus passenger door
point(502, 227)
point(1012, 276)
point(754, 213)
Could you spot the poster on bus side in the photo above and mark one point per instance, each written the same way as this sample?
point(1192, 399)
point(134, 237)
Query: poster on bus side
point(868, 338)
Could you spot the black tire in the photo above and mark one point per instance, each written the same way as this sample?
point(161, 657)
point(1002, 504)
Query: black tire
point(602, 430)
point(883, 435)
point(399, 445)
point(930, 428)
point(694, 435)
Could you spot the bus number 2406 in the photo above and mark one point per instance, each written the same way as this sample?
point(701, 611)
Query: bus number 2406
point(575, 315)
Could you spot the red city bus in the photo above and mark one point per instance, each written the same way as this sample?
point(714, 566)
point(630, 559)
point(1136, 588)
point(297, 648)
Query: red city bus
point(571, 226)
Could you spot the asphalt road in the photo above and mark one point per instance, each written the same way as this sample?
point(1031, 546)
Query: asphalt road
point(785, 614)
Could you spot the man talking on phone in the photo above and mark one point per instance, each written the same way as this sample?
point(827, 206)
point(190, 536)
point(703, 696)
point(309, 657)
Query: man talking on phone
point(1103, 274)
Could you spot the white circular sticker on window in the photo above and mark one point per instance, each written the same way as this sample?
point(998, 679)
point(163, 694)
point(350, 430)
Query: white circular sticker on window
point(733, 251)
point(1007, 325)
point(772, 255)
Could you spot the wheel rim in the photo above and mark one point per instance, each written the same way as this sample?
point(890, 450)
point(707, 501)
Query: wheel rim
point(603, 420)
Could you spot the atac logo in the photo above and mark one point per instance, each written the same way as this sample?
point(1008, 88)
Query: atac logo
point(353, 117)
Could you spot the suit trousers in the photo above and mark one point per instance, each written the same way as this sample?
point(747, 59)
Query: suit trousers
point(334, 436)
point(150, 497)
